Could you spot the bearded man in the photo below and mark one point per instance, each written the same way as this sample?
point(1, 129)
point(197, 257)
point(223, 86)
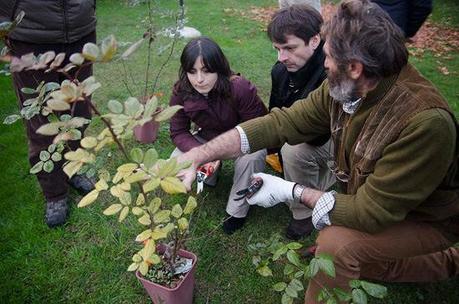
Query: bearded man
point(395, 214)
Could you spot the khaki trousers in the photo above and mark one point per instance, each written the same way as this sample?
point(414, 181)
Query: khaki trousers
point(405, 252)
point(307, 165)
point(244, 167)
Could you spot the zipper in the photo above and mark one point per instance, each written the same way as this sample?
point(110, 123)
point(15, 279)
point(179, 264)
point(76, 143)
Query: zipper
point(15, 8)
point(66, 32)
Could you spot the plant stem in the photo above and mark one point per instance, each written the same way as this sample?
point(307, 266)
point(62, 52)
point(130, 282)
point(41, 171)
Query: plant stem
point(150, 41)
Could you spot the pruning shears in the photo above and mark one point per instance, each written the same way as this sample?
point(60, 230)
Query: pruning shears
point(248, 192)
point(202, 173)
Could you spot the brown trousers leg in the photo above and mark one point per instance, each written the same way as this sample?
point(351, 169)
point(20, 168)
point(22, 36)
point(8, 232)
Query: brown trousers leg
point(54, 185)
point(406, 252)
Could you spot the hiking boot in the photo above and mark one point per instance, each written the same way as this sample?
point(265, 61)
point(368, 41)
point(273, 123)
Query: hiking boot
point(82, 184)
point(56, 212)
point(298, 229)
point(232, 224)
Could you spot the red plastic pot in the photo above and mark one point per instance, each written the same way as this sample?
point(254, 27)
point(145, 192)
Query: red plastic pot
point(147, 133)
point(181, 294)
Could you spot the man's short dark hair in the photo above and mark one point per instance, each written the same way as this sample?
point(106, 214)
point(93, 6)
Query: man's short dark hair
point(303, 21)
point(361, 31)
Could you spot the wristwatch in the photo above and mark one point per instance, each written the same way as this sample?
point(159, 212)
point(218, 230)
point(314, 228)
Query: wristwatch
point(297, 192)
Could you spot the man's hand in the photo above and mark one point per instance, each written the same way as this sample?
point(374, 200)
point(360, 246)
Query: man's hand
point(273, 191)
point(187, 175)
point(6, 58)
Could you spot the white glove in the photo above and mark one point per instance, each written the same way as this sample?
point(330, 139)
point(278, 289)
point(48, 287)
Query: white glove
point(274, 191)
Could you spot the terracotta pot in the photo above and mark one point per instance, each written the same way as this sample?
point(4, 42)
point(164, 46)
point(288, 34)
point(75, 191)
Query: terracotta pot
point(181, 294)
point(147, 133)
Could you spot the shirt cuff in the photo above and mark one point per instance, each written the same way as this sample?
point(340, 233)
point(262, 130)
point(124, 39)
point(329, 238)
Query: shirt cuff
point(320, 217)
point(245, 146)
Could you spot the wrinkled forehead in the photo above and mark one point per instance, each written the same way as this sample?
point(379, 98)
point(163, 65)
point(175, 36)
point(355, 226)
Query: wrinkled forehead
point(290, 41)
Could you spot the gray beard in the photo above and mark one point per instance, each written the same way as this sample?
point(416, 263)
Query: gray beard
point(344, 91)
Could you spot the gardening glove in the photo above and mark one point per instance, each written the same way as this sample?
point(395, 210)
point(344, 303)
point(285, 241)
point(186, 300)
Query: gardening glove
point(274, 191)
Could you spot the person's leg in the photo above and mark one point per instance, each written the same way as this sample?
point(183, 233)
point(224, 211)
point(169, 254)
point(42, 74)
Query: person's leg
point(405, 252)
point(244, 167)
point(307, 165)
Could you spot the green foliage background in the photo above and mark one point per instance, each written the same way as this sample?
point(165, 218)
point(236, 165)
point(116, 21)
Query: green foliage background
point(85, 261)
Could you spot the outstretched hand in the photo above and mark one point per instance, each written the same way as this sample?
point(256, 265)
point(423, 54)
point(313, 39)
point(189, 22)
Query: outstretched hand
point(187, 175)
point(274, 191)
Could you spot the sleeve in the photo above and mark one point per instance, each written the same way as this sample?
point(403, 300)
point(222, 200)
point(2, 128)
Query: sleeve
point(249, 104)
point(305, 120)
point(418, 12)
point(180, 125)
point(410, 169)
point(274, 90)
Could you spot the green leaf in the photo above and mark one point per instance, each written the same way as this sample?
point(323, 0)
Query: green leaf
point(137, 211)
point(136, 177)
point(294, 245)
point(355, 283)
point(126, 198)
point(137, 155)
point(150, 107)
point(191, 204)
point(256, 260)
point(374, 290)
point(133, 267)
point(176, 211)
point(313, 268)
point(280, 286)
point(279, 252)
point(359, 296)
point(154, 205)
point(140, 200)
point(166, 168)
point(88, 199)
point(143, 268)
point(132, 107)
point(90, 51)
point(44, 155)
point(342, 295)
point(48, 166)
point(28, 91)
point(150, 158)
point(288, 269)
point(327, 266)
point(265, 271)
point(299, 274)
point(291, 292)
point(286, 299)
point(113, 209)
point(145, 220)
point(162, 216)
point(115, 106)
point(51, 86)
point(167, 113)
point(173, 185)
point(294, 258)
point(296, 285)
point(123, 214)
point(37, 167)
point(56, 156)
point(11, 119)
point(331, 300)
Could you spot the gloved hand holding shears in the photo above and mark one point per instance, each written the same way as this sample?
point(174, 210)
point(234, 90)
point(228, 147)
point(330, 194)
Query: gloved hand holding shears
point(274, 191)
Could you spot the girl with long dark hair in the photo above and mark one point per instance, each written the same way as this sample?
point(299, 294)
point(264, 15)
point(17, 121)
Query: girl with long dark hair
point(216, 100)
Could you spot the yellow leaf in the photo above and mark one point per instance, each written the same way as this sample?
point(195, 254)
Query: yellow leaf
point(108, 48)
point(113, 209)
point(76, 155)
point(167, 167)
point(162, 216)
point(143, 268)
point(88, 198)
point(136, 177)
point(137, 211)
point(182, 224)
point(116, 191)
point(137, 258)
point(167, 113)
point(90, 51)
point(168, 228)
point(154, 205)
point(118, 176)
point(145, 220)
point(123, 214)
point(172, 185)
point(101, 185)
point(158, 234)
point(133, 267)
point(151, 185)
point(88, 142)
point(143, 236)
point(177, 211)
point(125, 186)
point(154, 259)
point(140, 200)
point(190, 205)
point(71, 168)
point(149, 249)
point(127, 168)
point(125, 198)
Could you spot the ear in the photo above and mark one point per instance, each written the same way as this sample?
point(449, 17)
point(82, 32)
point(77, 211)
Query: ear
point(314, 41)
point(355, 70)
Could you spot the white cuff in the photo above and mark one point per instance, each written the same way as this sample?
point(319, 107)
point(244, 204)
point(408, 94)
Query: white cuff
point(245, 146)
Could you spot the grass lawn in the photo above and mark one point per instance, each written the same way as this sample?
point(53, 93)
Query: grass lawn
point(86, 260)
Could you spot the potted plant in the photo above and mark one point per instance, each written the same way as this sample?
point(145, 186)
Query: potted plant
point(141, 184)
